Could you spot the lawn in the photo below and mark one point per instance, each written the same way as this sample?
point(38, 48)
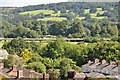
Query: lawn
point(37, 12)
point(53, 19)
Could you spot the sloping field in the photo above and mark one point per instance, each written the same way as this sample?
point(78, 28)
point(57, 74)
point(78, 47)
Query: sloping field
point(37, 12)
point(86, 11)
point(80, 18)
point(53, 19)
point(102, 17)
point(56, 14)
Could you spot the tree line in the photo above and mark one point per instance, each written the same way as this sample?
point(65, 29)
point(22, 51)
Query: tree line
point(75, 29)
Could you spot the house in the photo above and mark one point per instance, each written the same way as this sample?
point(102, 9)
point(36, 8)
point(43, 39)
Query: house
point(3, 54)
point(22, 73)
point(101, 69)
point(73, 75)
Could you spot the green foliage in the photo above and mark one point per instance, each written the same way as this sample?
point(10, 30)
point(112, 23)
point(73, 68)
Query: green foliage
point(54, 73)
point(15, 46)
point(60, 19)
point(26, 55)
point(55, 49)
point(48, 63)
point(35, 58)
point(66, 65)
point(9, 62)
point(37, 66)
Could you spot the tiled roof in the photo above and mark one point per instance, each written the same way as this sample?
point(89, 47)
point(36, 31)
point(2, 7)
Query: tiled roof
point(79, 75)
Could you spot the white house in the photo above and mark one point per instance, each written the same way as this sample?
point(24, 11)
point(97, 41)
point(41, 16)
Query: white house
point(3, 54)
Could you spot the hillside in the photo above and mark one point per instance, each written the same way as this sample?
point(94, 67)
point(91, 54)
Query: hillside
point(68, 19)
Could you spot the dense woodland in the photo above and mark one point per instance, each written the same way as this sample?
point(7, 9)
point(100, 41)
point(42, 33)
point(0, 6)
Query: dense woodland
point(28, 25)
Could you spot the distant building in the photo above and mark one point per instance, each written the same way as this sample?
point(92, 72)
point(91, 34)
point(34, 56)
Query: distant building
point(96, 69)
point(3, 54)
point(101, 69)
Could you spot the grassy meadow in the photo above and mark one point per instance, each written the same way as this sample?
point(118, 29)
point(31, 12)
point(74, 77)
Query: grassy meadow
point(53, 19)
point(37, 12)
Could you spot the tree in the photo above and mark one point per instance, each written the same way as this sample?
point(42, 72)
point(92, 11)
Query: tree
point(9, 62)
point(66, 65)
point(48, 63)
point(54, 73)
point(16, 46)
point(26, 55)
point(37, 66)
point(93, 10)
point(55, 49)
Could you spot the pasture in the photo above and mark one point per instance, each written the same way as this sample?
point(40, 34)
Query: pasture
point(53, 19)
point(37, 12)
point(56, 14)
point(80, 18)
point(86, 11)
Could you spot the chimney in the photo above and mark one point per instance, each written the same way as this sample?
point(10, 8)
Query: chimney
point(96, 60)
point(71, 74)
point(103, 61)
point(45, 76)
point(14, 67)
point(13, 72)
point(20, 73)
point(1, 65)
point(89, 62)
point(113, 63)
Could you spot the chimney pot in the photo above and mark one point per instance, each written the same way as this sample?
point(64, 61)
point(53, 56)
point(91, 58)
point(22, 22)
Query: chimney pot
point(1, 65)
point(89, 62)
point(96, 60)
point(113, 63)
point(20, 73)
point(103, 61)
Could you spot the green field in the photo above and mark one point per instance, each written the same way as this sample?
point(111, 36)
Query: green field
point(53, 19)
point(80, 18)
point(37, 12)
point(56, 14)
point(94, 15)
point(99, 9)
point(86, 11)
point(102, 17)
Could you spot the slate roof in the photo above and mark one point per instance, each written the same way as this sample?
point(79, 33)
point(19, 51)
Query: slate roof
point(96, 75)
